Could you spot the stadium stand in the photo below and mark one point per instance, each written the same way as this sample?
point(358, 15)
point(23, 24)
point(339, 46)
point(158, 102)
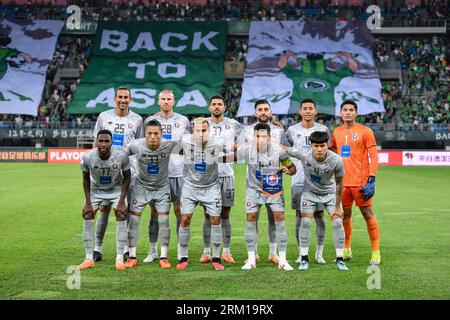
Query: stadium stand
point(417, 99)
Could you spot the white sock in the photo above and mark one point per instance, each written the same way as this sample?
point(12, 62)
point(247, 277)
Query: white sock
point(90, 257)
point(339, 252)
point(119, 258)
point(304, 251)
point(206, 250)
point(164, 250)
point(98, 249)
point(282, 255)
point(226, 250)
point(319, 251)
point(133, 252)
point(251, 256)
point(299, 250)
point(126, 249)
point(273, 249)
point(154, 247)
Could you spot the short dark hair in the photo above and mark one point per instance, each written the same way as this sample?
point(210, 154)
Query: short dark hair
point(353, 103)
point(308, 100)
point(122, 88)
point(262, 126)
point(261, 101)
point(104, 131)
point(154, 123)
point(216, 96)
point(319, 137)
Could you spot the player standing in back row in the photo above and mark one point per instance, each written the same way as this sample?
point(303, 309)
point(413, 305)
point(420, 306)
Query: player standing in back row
point(298, 136)
point(174, 126)
point(228, 130)
point(125, 126)
point(356, 143)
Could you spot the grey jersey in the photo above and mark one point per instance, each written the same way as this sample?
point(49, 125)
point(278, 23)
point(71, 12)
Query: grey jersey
point(228, 130)
point(173, 130)
point(201, 163)
point(298, 137)
point(124, 129)
point(105, 174)
point(153, 172)
point(278, 135)
point(263, 169)
point(319, 176)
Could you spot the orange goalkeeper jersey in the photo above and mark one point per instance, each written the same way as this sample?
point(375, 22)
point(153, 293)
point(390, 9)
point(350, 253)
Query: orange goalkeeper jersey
point(355, 146)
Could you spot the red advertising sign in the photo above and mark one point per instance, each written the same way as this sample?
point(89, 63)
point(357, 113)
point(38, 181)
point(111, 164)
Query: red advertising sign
point(390, 158)
point(65, 155)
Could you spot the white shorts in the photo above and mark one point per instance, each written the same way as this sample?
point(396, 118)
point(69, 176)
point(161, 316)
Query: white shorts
point(176, 185)
point(210, 198)
point(296, 198)
point(255, 199)
point(106, 197)
point(227, 189)
point(159, 198)
point(311, 202)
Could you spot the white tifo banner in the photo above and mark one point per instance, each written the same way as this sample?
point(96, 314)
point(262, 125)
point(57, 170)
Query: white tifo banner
point(327, 61)
point(26, 51)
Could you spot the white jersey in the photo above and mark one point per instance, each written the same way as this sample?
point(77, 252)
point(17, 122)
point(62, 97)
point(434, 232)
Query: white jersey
point(298, 137)
point(173, 130)
point(227, 130)
point(278, 135)
point(124, 129)
point(201, 168)
point(105, 174)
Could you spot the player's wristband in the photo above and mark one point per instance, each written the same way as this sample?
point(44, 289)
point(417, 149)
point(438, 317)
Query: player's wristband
point(287, 162)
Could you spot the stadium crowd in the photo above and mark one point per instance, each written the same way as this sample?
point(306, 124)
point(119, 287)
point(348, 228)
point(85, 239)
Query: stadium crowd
point(423, 98)
point(428, 13)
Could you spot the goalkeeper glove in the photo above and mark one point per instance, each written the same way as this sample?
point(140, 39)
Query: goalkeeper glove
point(368, 190)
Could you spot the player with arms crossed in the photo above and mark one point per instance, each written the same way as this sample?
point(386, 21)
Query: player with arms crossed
point(106, 179)
point(151, 187)
point(125, 125)
point(324, 172)
point(356, 143)
point(298, 136)
point(201, 186)
point(228, 130)
point(263, 113)
point(266, 163)
point(174, 126)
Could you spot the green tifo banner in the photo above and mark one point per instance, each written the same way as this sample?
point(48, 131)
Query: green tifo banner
point(149, 57)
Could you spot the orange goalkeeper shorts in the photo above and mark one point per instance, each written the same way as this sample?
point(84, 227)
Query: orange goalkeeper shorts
point(350, 194)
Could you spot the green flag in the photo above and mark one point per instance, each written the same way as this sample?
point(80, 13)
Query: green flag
point(149, 57)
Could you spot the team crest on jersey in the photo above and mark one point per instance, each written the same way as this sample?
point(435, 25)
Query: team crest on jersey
point(227, 126)
point(110, 122)
point(212, 152)
point(177, 125)
point(116, 166)
point(130, 125)
point(135, 202)
point(272, 180)
point(354, 136)
point(164, 155)
point(326, 170)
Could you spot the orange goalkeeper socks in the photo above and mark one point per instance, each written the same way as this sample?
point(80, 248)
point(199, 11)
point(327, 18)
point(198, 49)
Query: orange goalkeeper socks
point(372, 228)
point(348, 231)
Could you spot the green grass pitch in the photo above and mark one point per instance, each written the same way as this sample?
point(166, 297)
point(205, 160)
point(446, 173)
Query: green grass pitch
point(41, 236)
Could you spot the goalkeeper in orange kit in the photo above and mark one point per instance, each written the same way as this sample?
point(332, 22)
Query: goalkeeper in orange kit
point(356, 143)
